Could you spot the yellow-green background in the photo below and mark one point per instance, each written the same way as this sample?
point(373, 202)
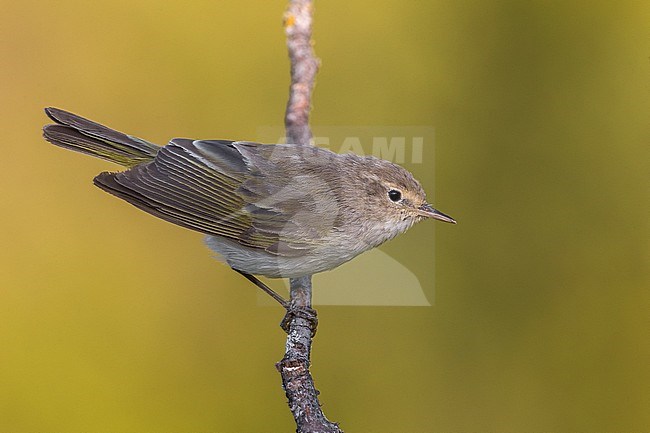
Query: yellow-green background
point(113, 321)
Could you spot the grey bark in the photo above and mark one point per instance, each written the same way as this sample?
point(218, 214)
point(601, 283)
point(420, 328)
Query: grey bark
point(297, 381)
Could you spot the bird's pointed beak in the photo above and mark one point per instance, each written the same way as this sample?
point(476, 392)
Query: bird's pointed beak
point(427, 211)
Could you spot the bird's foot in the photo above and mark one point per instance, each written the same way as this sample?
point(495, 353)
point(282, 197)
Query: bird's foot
point(306, 313)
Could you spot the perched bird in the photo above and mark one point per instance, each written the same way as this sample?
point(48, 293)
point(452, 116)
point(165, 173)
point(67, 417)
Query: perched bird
point(277, 210)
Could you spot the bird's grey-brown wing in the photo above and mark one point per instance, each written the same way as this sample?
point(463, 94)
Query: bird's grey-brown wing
point(291, 195)
point(215, 188)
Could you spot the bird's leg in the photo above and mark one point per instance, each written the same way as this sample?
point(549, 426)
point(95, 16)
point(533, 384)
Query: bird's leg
point(269, 291)
point(292, 311)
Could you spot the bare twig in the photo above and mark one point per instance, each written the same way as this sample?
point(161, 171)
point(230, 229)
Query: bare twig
point(304, 65)
point(294, 367)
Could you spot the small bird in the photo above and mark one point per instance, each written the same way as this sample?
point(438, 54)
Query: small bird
point(277, 210)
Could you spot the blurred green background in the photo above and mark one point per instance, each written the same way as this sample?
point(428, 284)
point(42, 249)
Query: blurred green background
point(114, 321)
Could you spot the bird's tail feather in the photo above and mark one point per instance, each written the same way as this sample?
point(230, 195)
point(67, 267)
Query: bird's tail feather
point(85, 136)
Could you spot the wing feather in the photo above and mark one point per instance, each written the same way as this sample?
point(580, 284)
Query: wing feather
point(215, 187)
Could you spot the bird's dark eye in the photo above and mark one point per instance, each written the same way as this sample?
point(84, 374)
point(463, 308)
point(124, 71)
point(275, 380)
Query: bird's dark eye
point(394, 195)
